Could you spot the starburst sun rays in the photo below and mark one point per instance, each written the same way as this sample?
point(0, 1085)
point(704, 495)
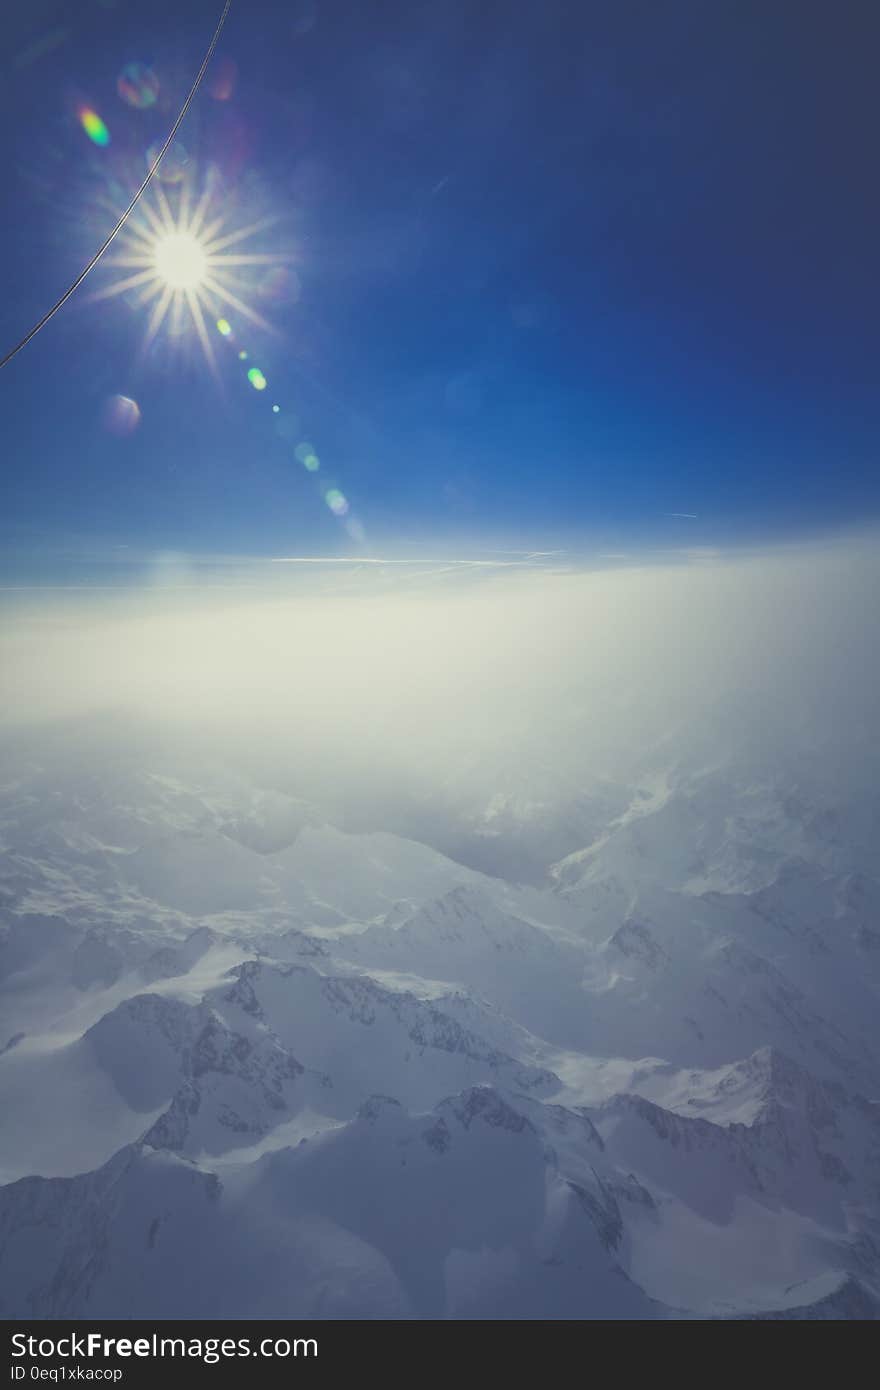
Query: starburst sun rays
point(183, 263)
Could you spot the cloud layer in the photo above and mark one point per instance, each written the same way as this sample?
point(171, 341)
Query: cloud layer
point(376, 672)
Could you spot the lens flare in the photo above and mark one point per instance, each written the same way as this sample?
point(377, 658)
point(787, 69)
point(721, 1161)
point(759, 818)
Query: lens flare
point(306, 455)
point(336, 501)
point(224, 78)
point(122, 415)
point(138, 86)
point(180, 261)
point(256, 379)
point(93, 126)
point(181, 256)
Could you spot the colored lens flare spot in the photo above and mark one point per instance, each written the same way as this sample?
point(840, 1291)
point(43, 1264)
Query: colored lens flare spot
point(256, 379)
point(122, 415)
point(224, 327)
point(306, 455)
point(336, 501)
point(224, 79)
point(276, 410)
point(242, 356)
point(138, 86)
point(93, 126)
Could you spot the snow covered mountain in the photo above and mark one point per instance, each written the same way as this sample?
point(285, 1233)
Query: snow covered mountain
point(253, 1064)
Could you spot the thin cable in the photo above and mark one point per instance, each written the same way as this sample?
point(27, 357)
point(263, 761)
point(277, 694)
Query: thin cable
point(50, 313)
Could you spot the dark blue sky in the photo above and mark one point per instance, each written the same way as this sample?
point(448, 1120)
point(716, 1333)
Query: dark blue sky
point(563, 269)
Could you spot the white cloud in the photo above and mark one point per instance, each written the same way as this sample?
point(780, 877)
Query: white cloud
point(572, 666)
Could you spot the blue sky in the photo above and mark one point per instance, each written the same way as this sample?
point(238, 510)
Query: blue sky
point(561, 271)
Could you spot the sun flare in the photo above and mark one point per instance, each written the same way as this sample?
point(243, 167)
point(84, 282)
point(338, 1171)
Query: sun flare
point(186, 263)
point(180, 261)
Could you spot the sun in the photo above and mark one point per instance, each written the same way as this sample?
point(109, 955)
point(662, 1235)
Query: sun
point(180, 260)
point(186, 262)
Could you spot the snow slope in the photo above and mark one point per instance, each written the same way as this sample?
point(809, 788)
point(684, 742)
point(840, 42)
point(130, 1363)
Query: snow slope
point(255, 1065)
